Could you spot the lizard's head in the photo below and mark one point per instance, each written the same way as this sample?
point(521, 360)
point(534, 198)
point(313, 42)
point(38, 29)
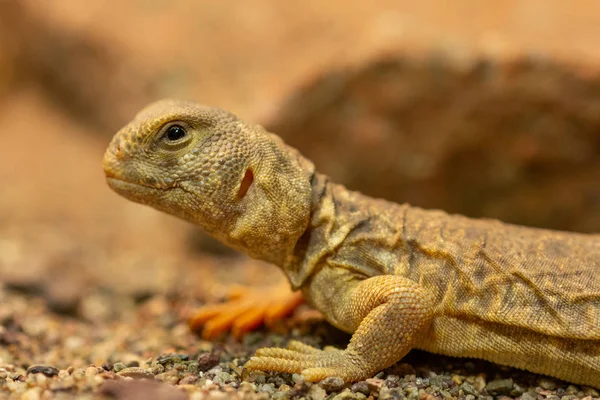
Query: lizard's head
point(240, 183)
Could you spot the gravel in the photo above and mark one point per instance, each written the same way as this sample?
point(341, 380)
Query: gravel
point(145, 350)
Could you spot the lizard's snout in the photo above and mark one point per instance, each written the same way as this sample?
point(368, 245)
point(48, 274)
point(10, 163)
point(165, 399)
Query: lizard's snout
point(113, 157)
point(117, 148)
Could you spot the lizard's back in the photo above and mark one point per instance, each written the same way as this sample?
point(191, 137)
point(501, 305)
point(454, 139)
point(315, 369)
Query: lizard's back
point(477, 269)
point(541, 280)
point(524, 297)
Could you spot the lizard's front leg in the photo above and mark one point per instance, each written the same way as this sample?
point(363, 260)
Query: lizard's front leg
point(388, 315)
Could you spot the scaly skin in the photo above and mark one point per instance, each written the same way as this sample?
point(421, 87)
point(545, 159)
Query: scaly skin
point(395, 276)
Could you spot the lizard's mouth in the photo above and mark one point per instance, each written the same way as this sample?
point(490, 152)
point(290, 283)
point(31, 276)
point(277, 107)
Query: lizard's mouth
point(144, 194)
point(133, 191)
point(117, 180)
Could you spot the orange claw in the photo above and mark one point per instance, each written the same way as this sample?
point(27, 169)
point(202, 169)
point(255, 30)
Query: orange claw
point(246, 309)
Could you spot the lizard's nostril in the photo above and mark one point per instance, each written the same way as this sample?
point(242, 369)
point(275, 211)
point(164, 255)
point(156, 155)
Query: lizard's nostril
point(118, 151)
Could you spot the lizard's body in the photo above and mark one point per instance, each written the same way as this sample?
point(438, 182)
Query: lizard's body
point(518, 296)
point(396, 276)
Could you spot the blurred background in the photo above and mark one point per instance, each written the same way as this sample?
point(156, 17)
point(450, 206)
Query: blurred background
point(489, 109)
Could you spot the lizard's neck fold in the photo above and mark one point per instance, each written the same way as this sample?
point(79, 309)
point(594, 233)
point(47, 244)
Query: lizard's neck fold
point(348, 230)
point(319, 240)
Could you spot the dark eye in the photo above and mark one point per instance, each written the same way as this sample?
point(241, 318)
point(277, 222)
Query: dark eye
point(175, 132)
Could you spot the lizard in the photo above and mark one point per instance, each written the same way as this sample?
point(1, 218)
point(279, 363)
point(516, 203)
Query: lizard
point(395, 276)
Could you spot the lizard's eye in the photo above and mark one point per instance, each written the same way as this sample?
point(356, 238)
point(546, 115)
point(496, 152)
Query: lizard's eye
point(174, 133)
point(174, 137)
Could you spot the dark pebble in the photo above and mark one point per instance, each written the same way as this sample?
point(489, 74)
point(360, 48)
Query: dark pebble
point(361, 387)
point(332, 384)
point(42, 369)
point(107, 366)
point(163, 360)
point(207, 360)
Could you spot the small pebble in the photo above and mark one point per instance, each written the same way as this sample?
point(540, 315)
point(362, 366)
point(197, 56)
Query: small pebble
point(43, 369)
point(171, 376)
point(63, 373)
point(189, 379)
point(349, 395)
point(32, 394)
point(207, 361)
point(316, 392)
point(40, 379)
point(361, 387)
point(547, 384)
point(499, 387)
point(528, 396)
point(118, 367)
point(392, 381)
point(412, 393)
point(136, 373)
point(467, 388)
point(267, 388)
point(332, 384)
point(589, 391)
point(375, 384)
point(169, 358)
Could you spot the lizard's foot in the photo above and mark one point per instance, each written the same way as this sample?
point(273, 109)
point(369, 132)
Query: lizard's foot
point(245, 310)
point(314, 364)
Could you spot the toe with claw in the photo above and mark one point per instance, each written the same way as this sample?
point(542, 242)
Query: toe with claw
point(314, 364)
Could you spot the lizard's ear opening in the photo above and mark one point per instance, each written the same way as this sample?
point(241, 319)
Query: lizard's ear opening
point(246, 183)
